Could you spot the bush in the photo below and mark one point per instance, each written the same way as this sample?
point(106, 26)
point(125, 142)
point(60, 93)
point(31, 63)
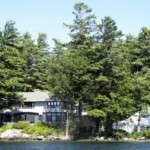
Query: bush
point(41, 129)
point(3, 128)
point(20, 125)
point(136, 135)
point(37, 129)
point(119, 134)
point(101, 133)
point(146, 134)
point(73, 128)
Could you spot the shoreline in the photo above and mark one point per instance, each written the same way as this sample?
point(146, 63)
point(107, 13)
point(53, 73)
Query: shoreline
point(68, 140)
point(18, 135)
point(105, 141)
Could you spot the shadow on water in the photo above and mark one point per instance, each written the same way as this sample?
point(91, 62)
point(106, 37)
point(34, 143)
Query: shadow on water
point(74, 145)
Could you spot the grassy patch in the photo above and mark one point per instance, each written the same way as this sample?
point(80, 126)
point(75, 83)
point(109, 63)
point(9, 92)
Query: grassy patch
point(21, 125)
point(3, 128)
point(136, 135)
point(39, 129)
point(119, 134)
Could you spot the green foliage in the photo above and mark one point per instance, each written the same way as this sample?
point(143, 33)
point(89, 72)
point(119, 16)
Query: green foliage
point(73, 128)
point(97, 67)
point(41, 129)
point(136, 135)
point(96, 113)
point(3, 128)
point(120, 134)
point(146, 134)
point(83, 27)
point(23, 64)
point(21, 125)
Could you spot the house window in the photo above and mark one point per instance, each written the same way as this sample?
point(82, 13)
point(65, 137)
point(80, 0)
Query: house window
point(53, 117)
point(58, 118)
point(48, 117)
point(29, 104)
point(53, 104)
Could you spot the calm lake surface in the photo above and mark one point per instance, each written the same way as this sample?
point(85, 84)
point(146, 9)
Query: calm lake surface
point(74, 145)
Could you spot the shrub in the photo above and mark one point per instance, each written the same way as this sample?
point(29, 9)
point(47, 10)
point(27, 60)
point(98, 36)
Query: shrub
point(20, 125)
point(101, 133)
point(136, 135)
point(3, 128)
point(41, 129)
point(119, 134)
point(36, 129)
point(146, 134)
point(73, 128)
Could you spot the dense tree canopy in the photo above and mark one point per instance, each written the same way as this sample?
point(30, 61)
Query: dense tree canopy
point(105, 74)
point(23, 64)
point(103, 68)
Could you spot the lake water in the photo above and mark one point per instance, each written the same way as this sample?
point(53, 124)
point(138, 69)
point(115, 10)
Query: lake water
point(74, 145)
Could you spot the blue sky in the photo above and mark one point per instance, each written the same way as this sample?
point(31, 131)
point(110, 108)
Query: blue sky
point(48, 16)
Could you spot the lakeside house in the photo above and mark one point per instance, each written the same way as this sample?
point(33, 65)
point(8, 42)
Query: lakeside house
point(38, 106)
point(45, 107)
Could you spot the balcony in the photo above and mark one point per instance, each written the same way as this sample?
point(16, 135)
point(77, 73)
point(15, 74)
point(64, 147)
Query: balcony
point(26, 110)
point(53, 109)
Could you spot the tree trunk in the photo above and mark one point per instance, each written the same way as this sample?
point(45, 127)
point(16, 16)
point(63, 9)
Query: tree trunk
point(97, 124)
point(71, 111)
point(67, 124)
point(101, 125)
point(80, 115)
point(108, 127)
point(139, 120)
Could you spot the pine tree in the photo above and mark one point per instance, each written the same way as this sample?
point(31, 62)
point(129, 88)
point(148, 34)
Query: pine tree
point(83, 27)
point(10, 66)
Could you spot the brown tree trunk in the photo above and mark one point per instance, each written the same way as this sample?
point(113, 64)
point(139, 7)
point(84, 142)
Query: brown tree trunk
point(80, 115)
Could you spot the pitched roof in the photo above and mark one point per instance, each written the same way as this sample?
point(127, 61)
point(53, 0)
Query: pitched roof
point(36, 96)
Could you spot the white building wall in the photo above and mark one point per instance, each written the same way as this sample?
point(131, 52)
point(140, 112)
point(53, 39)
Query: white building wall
point(44, 117)
point(132, 122)
point(40, 107)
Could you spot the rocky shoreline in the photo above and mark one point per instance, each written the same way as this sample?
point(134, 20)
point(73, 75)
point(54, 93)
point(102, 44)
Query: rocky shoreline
point(123, 139)
point(18, 135)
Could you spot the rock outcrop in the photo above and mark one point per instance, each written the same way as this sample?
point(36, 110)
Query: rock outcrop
point(16, 134)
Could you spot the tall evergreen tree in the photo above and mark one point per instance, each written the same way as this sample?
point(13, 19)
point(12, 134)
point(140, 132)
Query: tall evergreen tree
point(109, 76)
point(29, 54)
point(82, 39)
point(35, 60)
point(10, 35)
point(42, 63)
point(140, 71)
point(83, 27)
point(10, 66)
